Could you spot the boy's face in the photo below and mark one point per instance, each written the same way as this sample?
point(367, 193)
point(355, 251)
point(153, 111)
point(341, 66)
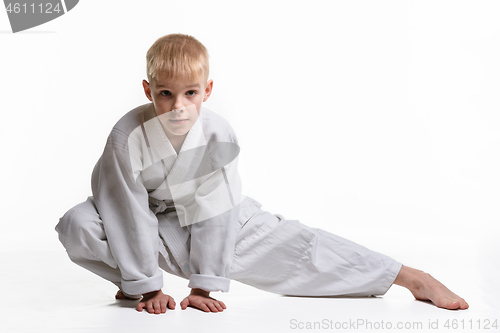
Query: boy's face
point(178, 102)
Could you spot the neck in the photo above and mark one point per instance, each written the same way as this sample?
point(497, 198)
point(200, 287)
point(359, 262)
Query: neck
point(176, 141)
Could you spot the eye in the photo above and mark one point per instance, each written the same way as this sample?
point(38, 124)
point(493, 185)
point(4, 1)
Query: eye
point(165, 93)
point(191, 93)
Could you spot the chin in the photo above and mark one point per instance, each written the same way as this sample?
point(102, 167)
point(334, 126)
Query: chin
point(179, 133)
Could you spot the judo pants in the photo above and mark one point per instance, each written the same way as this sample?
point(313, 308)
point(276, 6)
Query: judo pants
point(271, 253)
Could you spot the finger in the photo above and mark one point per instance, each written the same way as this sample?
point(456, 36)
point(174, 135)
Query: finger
point(163, 306)
point(212, 307)
point(218, 306)
point(156, 306)
point(184, 303)
point(140, 306)
point(202, 306)
point(149, 306)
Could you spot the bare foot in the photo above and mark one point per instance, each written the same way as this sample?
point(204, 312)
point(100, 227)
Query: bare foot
point(426, 288)
point(121, 295)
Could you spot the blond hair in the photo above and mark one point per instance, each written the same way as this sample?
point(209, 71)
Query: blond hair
point(177, 56)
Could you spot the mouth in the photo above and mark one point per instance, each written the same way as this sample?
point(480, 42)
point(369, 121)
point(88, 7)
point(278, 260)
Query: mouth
point(177, 121)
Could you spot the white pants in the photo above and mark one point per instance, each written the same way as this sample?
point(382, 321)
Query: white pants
point(271, 253)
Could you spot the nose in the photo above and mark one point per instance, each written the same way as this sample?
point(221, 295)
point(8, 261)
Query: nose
point(178, 105)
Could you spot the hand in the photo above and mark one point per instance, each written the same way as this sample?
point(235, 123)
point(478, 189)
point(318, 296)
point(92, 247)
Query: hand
point(200, 299)
point(156, 302)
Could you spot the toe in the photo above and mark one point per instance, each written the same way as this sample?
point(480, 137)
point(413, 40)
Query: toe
point(453, 305)
point(119, 295)
point(445, 303)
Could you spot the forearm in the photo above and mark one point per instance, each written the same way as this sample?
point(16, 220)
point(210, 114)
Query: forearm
point(199, 292)
point(213, 239)
point(212, 252)
point(131, 228)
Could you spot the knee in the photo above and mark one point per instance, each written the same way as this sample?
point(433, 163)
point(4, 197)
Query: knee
point(66, 224)
point(78, 226)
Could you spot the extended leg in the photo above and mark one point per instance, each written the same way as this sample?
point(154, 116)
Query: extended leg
point(287, 257)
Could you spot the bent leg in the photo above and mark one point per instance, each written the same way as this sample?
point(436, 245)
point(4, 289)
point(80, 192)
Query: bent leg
point(82, 234)
point(287, 257)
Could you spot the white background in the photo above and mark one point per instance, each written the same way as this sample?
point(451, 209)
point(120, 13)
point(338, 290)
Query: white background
point(375, 120)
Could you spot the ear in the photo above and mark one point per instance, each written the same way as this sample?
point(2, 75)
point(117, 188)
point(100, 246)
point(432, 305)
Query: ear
point(208, 90)
point(147, 89)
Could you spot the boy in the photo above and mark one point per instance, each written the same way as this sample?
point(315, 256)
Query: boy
point(166, 193)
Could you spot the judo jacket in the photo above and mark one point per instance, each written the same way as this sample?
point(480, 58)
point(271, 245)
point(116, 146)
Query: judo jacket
point(185, 206)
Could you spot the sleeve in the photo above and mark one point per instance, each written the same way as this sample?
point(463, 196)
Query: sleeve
point(131, 227)
point(213, 240)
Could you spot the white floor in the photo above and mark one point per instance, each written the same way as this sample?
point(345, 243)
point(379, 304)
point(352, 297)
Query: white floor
point(45, 292)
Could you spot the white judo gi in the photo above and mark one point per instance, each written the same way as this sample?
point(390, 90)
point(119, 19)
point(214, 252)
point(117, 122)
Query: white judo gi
point(153, 208)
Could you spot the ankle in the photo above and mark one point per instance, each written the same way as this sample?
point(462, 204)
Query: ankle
point(411, 278)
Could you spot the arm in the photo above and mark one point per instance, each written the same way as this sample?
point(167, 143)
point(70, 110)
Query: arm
point(131, 227)
point(212, 240)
